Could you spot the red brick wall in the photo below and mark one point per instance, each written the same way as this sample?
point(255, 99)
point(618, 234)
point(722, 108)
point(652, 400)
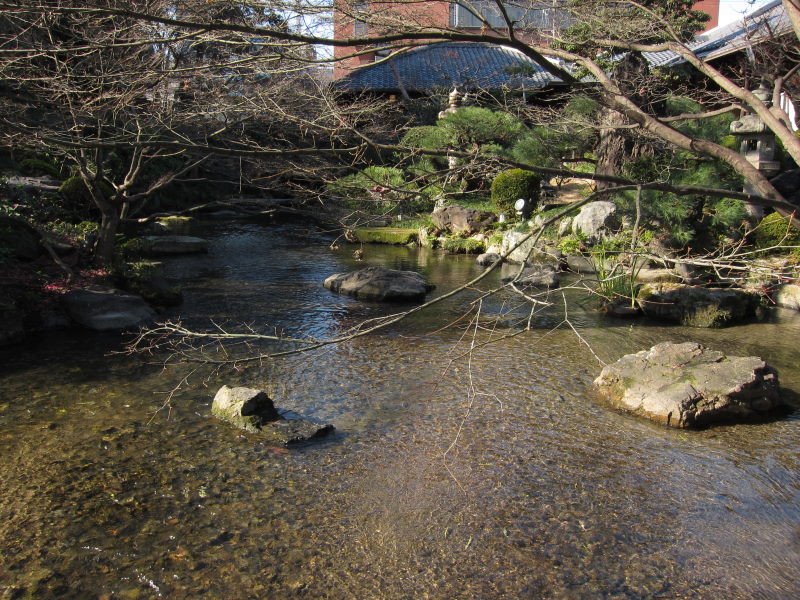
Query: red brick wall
point(712, 8)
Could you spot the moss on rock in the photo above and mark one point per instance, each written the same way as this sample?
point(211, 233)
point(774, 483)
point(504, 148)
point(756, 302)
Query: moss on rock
point(385, 235)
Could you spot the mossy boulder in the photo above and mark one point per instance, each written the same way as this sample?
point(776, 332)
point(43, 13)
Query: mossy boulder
point(462, 221)
point(385, 235)
point(176, 224)
point(458, 245)
point(696, 306)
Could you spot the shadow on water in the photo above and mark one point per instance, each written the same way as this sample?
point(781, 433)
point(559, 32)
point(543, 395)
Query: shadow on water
point(489, 474)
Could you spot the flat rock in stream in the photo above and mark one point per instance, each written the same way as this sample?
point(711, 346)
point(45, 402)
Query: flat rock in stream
point(252, 410)
point(688, 385)
point(379, 284)
point(105, 309)
point(159, 245)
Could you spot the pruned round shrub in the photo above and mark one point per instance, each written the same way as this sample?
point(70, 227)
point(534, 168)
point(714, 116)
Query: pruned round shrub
point(775, 230)
point(509, 186)
point(38, 166)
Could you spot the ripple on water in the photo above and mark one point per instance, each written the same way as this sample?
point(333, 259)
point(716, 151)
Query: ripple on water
point(488, 474)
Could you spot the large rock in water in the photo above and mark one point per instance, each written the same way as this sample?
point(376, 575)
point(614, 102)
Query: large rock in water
point(253, 411)
point(460, 220)
point(696, 306)
point(379, 284)
point(537, 276)
point(158, 245)
point(687, 385)
point(103, 309)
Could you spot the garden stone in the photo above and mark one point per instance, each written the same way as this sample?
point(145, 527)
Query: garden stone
point(487, 258)
point(540, 276)
point(788, 296)
point(379, 284)
point(460, 220)
point(155, 245)
point(253, 411)
point(243, 407)
point(596, 220)
point(647, 275)
point(528, 251)
point(104, 309)
point(580, 264)
point(564, 226)
point(696, 306)
point(687, 385)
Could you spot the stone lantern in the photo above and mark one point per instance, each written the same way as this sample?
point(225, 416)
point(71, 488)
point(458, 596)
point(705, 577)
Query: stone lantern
point(454, 103)
point(757, 146)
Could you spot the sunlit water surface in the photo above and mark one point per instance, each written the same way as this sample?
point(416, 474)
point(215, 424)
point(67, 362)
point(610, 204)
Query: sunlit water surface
point(453, 474)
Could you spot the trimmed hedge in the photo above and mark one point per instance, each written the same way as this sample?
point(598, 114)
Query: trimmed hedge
point(509, 186)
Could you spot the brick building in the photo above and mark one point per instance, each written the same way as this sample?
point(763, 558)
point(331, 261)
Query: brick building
point(364, 18)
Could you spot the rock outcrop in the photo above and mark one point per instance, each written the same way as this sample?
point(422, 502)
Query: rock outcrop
point(788, 296)
point(379, 284)
point(596, 220)
point(462, 221)
point(687, 385)
point(253, 411)
point(537, 276)
point(696, 306)
point(104, 309)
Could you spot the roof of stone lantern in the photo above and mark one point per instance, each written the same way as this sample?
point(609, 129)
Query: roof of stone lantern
point(465, 65)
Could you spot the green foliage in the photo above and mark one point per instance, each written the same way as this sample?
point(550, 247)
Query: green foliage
point(573, 244)
point(385, 235)
point(511, 185)
point(547, 145)
point(775, 230)
point(78, 232)
point(39, 166)
point(464, 245)
point(471, 127)
point(373, 184)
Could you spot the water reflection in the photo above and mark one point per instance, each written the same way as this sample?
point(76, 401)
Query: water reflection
point(482, 475)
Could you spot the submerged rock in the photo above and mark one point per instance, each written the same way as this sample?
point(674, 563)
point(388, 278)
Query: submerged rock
point(103, 308)
point(379, 284)
point(696, 306)
point(253, 411)
point(687, 385)
point(155, 245)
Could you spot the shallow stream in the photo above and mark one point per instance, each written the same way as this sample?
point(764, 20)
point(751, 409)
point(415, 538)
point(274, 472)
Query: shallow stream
point(488, 473)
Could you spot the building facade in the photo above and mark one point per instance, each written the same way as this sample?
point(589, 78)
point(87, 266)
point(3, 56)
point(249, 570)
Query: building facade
point(364, 18)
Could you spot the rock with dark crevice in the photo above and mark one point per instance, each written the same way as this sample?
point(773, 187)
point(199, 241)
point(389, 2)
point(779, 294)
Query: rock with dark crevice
point(252, 410)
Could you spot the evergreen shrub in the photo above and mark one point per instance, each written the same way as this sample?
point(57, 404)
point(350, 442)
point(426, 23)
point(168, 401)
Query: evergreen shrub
point(775, 230)
point(509, 186)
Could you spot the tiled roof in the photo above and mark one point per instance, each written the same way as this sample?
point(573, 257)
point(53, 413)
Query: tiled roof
point(768, 21)
point(465, 65)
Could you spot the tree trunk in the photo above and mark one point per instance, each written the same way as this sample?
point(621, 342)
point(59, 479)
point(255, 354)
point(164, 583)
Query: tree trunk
point(610, 150)
point(106, 235)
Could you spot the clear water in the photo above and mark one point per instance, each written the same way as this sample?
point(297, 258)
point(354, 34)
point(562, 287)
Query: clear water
point(453, 474)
